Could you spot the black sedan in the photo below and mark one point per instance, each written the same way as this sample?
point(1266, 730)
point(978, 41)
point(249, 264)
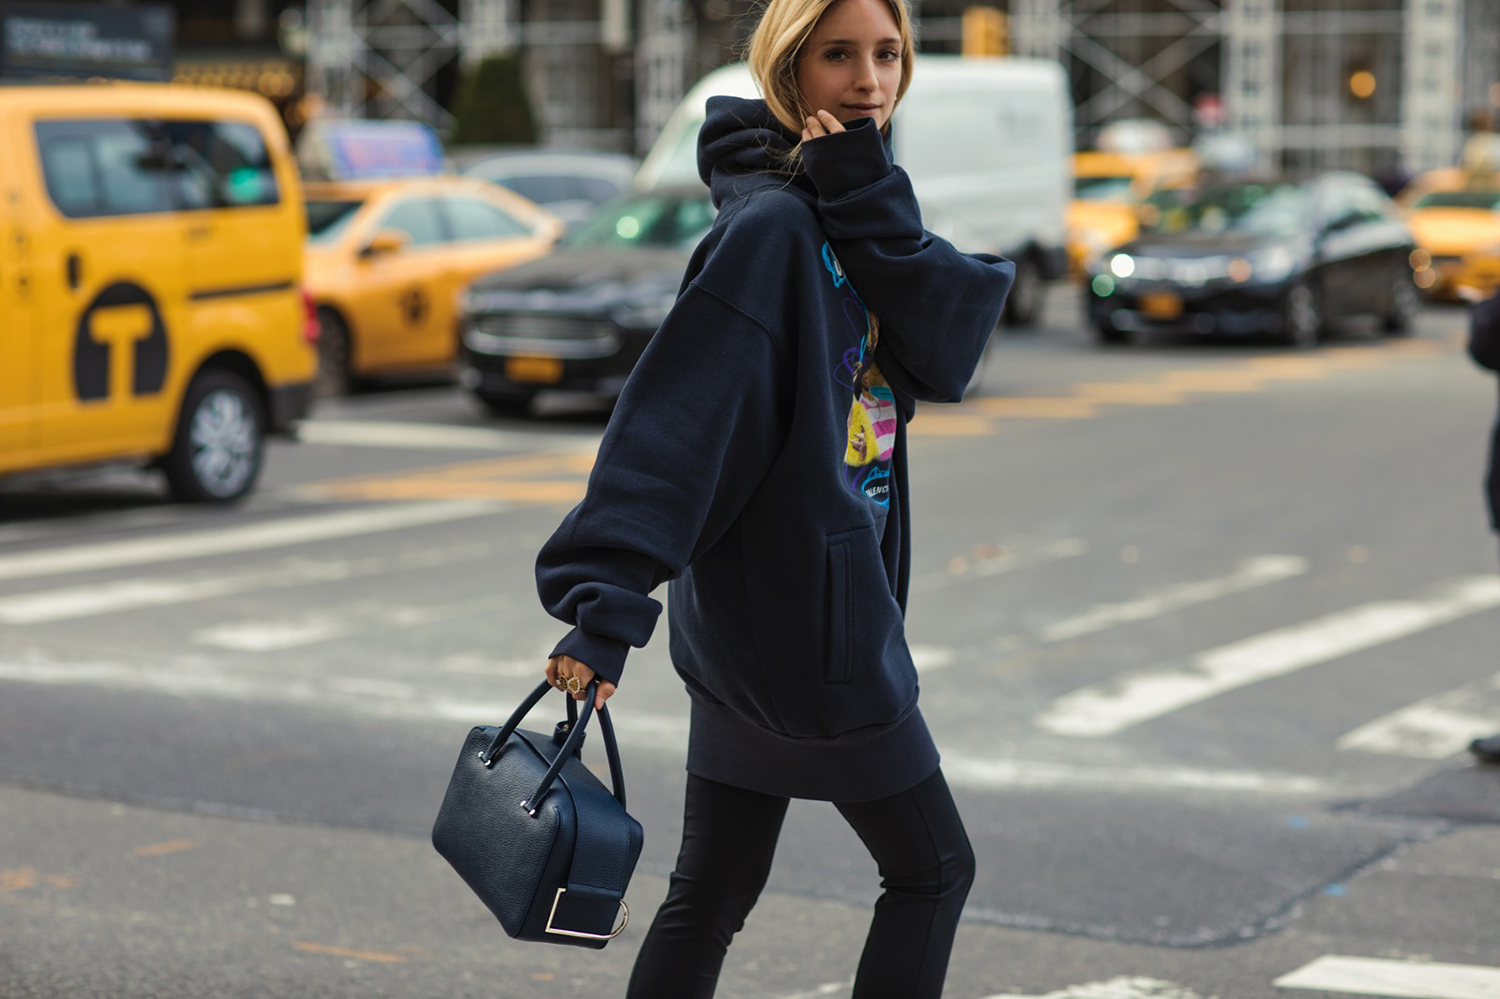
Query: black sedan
point(1272, 257)
point(579, 318)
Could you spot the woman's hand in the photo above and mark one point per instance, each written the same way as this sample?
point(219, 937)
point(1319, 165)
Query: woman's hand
point(820, 124)
point(560, 668)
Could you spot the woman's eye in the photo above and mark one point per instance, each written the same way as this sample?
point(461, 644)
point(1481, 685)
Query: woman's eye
point(834, 54)
point(890, 54)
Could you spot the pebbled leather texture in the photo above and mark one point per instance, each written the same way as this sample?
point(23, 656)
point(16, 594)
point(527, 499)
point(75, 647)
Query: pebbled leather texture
point(581, 838)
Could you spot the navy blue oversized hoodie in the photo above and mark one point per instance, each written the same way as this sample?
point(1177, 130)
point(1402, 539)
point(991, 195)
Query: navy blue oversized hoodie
point(757, 461)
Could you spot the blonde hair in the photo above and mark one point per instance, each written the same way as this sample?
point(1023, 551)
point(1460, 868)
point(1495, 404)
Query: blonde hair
point(776, 48)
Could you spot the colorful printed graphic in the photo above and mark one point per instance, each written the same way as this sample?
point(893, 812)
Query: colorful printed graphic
point(871, 428)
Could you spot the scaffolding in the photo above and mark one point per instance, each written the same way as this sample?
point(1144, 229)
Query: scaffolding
point(1311, 84)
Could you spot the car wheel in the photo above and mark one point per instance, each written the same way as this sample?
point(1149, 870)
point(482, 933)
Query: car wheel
point(510, 404)
point(1406, 302)
point(335, 356)
point(1023, 307)
point(1302, 317)
point(220, 441)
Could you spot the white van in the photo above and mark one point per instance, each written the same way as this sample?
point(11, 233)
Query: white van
point(988, 144)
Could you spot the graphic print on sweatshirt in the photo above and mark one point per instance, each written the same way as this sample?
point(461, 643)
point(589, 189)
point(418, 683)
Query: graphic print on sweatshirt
point(871, 428)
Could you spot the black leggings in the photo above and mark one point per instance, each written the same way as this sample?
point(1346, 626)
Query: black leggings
point(728, 838)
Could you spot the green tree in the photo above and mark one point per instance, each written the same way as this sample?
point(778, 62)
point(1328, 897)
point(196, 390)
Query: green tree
point(492, 106)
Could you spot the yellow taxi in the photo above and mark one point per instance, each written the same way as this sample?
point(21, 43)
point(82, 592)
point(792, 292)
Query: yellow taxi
point(150, 282)
point(1108, 190)
point(1456, 222)
point(387, 261)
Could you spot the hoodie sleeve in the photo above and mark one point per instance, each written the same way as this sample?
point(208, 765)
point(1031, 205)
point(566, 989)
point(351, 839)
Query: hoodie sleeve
point(691, 438)
point(937, 306)
point(1484, 333)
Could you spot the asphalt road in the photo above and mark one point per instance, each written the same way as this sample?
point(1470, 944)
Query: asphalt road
point(1203, 629)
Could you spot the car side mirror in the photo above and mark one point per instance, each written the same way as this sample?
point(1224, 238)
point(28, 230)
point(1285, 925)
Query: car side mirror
point(1342, 222)
point(384, 242)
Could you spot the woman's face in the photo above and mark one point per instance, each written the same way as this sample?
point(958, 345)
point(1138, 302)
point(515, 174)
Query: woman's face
point(851, 65)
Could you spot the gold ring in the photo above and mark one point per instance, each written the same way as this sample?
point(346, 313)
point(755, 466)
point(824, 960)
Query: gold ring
point(573, 685)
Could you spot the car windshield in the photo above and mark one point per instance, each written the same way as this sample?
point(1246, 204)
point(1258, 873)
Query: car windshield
point(327, 220)
point(647, 220)
point(1254, 209)
point(1485, 200)
point(1101, 188)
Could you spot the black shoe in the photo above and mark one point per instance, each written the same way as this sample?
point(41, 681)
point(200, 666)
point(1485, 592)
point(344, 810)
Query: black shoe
point(1488, 750)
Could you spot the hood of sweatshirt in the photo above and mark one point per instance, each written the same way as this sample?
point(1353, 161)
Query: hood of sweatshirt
point(742, 146)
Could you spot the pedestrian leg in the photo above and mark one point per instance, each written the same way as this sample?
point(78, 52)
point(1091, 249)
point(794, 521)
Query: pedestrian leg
point(926, 868)
point(728, 840)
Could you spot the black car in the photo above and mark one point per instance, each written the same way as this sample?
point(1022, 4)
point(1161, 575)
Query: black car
point(1247, 257)
point(579, 318)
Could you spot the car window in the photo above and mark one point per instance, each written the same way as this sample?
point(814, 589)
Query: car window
point(475, 218)
point(1259, 209)
point(418, 218)
point(598, 190)
point(647, 220)
point(220, 164)
point(1487, 200)
point(1102, 188)
point(105, 167)
point(544, 189)
point(328, 220)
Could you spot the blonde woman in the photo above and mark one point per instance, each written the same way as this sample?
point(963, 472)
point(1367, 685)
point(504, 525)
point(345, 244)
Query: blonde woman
point(757, 461)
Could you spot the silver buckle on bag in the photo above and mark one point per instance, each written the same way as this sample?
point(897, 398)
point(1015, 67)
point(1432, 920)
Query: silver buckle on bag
point(624, 921)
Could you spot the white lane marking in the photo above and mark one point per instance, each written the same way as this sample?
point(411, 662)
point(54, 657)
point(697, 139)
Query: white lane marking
point(432, 436)
point(248, 537)
point(1140, 696)
point(1252, 573)
point(930, 657)
point(983, 773)
point(1052, 551)
point(826, 989)
point(325, 623)
point(1433, 728)
point(1372, 976)
point(669, 733)
point(274, 635)
point(73, 602)
point(1124, 987)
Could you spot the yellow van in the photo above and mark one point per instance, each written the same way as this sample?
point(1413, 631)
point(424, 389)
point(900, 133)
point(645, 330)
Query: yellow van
point(151, 305)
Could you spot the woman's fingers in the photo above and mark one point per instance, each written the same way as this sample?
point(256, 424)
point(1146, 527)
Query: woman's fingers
point(561, 668)
point(820, 124)
point(829, 122)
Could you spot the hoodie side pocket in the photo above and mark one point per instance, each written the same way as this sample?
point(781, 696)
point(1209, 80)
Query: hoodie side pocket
point(840, 665)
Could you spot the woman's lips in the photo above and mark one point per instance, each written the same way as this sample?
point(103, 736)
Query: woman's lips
point(867, 111)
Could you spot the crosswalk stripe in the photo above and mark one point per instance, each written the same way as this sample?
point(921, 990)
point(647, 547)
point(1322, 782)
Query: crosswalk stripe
point(1123, 987)
point(394, 699)
point(1252, 573)
point(1433, 728)
point(1370, 976)
point(71, 603)
point(1142, 695)
point(249, 537)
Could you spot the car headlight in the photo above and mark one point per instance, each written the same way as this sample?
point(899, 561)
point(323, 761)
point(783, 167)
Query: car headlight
point(646, 314)
point(1121, 265)
point(1273, 264)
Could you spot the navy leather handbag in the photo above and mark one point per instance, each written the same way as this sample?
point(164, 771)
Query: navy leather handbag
point(536, 835)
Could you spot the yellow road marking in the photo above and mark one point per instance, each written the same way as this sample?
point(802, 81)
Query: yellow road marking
point(951, 425)
point(22, 878)
point(1039, 408)
point(161, 849)
point(1130, 393)
point(525, 479)
point(378, 957)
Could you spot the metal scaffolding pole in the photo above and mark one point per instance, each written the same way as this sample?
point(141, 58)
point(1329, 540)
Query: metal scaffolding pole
point(489, 28)
point(1430, 112)
point(331, 57)
point(1252, 74)
point(661, 66)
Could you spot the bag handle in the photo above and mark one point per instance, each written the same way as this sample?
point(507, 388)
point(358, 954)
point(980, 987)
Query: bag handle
point(575, 739)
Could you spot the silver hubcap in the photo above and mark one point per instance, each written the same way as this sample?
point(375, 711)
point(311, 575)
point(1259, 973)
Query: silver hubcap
point(224, 443)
